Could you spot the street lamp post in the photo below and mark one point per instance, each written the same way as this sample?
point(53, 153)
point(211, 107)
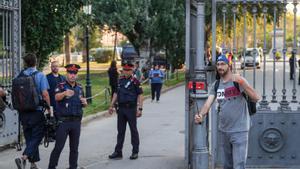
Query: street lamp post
point(88, 10)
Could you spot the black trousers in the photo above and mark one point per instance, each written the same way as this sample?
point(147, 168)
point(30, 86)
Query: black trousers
point(65, 129)
point(127, 115)
point(292, 72)
point(155, 90)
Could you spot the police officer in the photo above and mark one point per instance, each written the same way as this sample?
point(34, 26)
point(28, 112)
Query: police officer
point(130, 105)
point(33, 122)
point(54, 78)
point(70, 100)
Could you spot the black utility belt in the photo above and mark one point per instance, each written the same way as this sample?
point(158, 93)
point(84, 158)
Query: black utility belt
point(70, 118)
point(127, 105)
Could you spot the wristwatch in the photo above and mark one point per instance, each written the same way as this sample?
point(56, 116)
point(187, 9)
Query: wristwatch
point(140, 109)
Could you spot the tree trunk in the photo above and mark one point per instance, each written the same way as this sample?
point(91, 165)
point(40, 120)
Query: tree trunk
point(67, 48)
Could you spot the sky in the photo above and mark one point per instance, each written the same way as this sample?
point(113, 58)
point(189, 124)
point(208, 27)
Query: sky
point(290, 8)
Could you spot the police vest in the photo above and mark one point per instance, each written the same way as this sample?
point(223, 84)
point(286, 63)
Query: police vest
point(70, 106)
point(127, 90)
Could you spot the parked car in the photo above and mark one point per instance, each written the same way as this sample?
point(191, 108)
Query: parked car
point(250, 55)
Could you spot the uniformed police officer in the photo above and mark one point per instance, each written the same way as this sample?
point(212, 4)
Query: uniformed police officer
point(130, 105)
point(70, 100)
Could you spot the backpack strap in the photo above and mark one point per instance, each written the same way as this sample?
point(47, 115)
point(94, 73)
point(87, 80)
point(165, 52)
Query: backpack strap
point(237, 86)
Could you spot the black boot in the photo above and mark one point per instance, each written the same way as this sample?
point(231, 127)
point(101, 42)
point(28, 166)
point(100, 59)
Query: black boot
point(115, 155)
point(134, 156)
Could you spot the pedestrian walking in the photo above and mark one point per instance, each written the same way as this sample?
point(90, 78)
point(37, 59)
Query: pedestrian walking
point(70, 101)
point(54, 78)
point(156, 79)
point(130, 106)
point(292, 66)
point(137, 72)
point(32, 121)
point(234, 118)
point(113, 76)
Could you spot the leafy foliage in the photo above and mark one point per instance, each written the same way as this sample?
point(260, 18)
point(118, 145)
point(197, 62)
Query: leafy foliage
point(44, 23)
point(161, 22)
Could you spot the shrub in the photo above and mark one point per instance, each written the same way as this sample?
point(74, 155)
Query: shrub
point(278, 55)
point(103, 55)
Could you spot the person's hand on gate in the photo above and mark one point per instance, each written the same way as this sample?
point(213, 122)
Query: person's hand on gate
point(198, 118)
point(238, 78)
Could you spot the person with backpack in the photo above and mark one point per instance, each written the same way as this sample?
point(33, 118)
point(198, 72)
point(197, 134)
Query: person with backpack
point(156, 77)
point(234, 118)
point(54, 78)
point(29, 88)
point(70, 101)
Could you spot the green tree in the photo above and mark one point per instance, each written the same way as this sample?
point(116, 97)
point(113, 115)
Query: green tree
point(130, 17)
point(44, 23)
point(140, 20)
point(168, 30)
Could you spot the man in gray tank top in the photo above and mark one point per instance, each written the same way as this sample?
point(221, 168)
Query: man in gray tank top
point(234, 119)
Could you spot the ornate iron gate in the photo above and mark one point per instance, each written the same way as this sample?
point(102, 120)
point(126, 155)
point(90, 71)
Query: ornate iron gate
point(10, 20)
point(263, 29)
point(273, 136)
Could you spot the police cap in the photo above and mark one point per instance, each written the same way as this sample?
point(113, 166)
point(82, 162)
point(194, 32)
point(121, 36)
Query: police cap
point(127, 65)
point(72, 68)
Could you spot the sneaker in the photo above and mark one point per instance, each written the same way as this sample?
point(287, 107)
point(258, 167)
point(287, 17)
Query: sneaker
point(134, 156)
point(21, 164)
point(115, 155)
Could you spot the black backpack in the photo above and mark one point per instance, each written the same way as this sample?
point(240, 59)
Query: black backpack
point(251, 104)
point(25, 97)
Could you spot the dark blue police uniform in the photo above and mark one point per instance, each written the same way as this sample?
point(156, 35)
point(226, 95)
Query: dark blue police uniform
point(128, 91)
point(69, 114)
point(53, 82)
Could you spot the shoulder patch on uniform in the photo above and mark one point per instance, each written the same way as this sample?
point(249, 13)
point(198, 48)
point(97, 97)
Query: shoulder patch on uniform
point(135, 81)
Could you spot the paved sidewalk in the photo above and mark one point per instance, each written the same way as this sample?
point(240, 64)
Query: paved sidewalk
point(161, 131)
